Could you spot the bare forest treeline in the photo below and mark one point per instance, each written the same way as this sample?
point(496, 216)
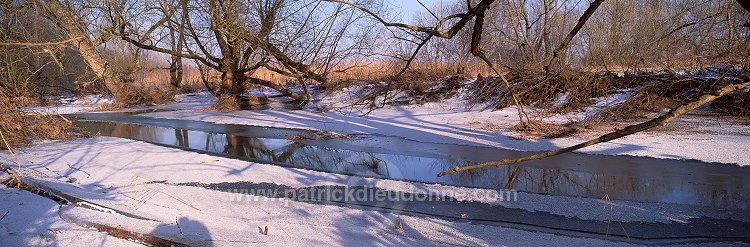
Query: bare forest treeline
point(154, 47)
point(525, 52)
point(622, 35)
point(116, 43)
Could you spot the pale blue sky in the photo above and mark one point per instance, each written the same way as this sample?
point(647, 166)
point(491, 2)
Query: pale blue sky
point(408, 8)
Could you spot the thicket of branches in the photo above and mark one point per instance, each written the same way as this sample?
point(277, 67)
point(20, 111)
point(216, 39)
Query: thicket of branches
point(32, 62)
point(538, 48)
point(307, 41)
point(304, 41)
point(620, 34)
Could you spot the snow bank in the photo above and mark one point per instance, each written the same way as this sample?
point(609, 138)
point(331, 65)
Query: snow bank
point(118, 174)
point(72, 104)
point(141, 179)
point(704, 137)
point(32, 220)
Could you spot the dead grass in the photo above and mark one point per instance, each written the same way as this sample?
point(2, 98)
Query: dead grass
point(299, 137)
point(654, 92)
point(151, 86)
point(20, 128)
point(549, 130)
point(416, 72)
point(225, 103)
point(130, 95)
point(320, 135)
point(18, 101)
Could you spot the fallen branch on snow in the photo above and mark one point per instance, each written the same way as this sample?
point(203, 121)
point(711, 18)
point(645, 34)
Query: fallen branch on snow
point(676, 112)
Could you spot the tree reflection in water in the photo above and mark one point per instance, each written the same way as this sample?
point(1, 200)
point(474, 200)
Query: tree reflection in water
point(630, 181)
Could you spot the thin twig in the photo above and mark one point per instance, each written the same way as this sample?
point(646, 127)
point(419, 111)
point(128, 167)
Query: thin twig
point(12, 153)
point(39, 44)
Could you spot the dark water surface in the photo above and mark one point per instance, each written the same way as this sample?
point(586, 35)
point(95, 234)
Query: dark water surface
point(619, 177)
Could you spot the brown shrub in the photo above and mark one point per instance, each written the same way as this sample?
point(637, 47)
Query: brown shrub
point(129, 95)
point(734, 104)
point(658, 91)
point(418, 73)
point(539, 89)
point(20, 128)
point(667, 90)
point(655, 91)
point(192, 87)
point(639, 105)
point(446, 89)
point(402, 92)
point(548, 130)
point(18, 101)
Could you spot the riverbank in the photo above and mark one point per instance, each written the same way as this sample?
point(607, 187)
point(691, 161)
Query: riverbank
point(699, 136)
point(176, 195)
point(144, 188)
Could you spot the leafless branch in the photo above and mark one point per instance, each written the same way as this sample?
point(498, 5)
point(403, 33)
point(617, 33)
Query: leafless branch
point(676, 112)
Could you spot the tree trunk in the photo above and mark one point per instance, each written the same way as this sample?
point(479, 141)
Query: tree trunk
point(65, 19)
point(175, 63)
point(175, 71)
point(231, 85)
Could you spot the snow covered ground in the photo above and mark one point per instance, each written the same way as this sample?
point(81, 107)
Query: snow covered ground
point(143, 188)
point(76, 104)
point(27, 219)
point(695, 136)
point(131, 178)
point(72, 104)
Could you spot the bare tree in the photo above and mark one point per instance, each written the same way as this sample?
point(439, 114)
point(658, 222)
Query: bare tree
point(473, 13)
point(290, 38)
point(176, 30)
point(69, 18)
point(564, 44)
point(478, 13)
